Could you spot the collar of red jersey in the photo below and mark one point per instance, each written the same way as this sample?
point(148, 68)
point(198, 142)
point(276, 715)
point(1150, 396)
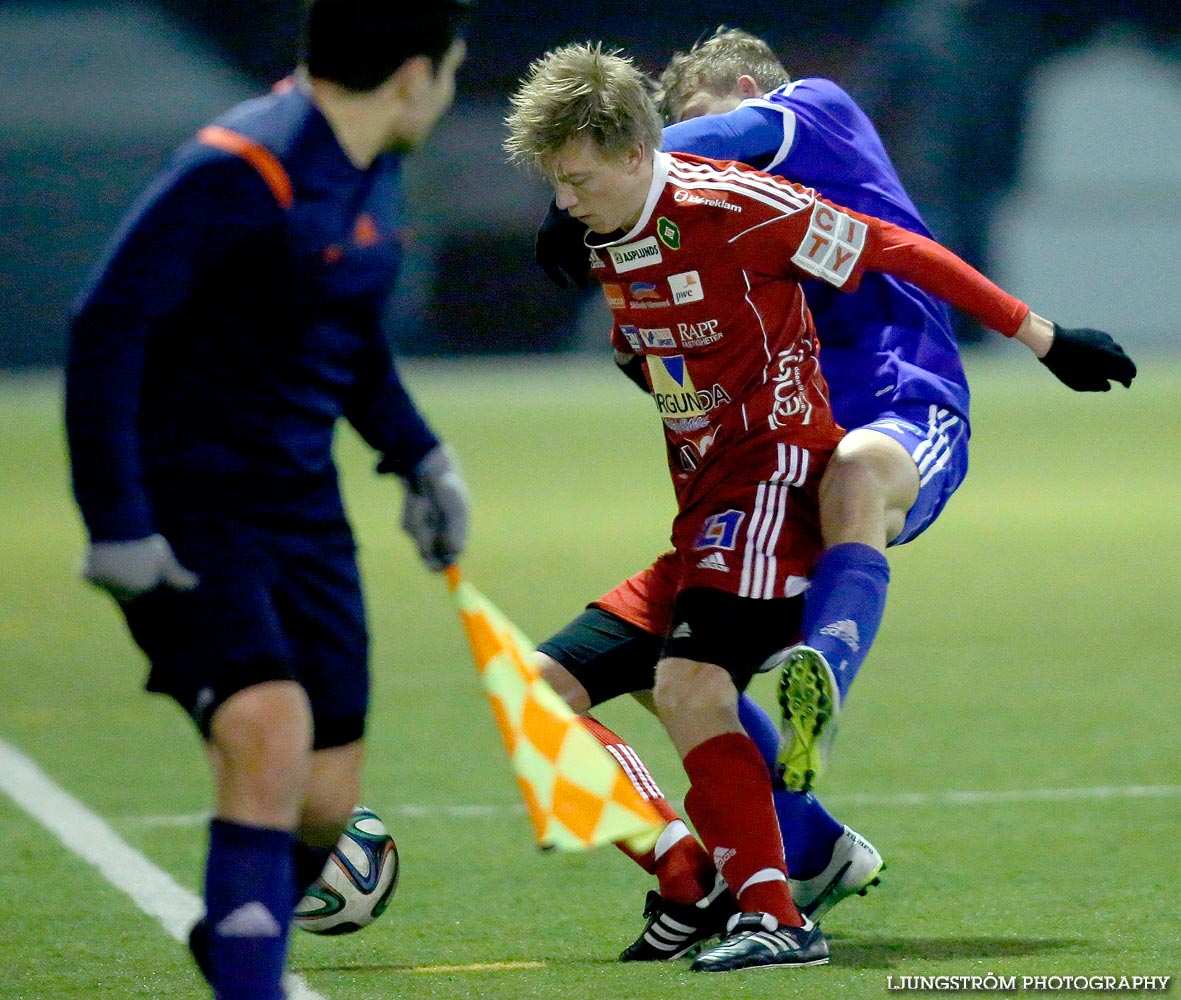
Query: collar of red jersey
point(660, 162)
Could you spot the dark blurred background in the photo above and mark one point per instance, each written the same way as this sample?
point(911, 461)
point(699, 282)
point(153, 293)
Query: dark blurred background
point(1042, 141)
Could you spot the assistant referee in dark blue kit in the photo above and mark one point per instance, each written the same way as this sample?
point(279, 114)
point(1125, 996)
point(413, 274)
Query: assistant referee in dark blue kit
point(234, 319)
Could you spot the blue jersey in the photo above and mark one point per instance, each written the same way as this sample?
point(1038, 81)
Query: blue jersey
point(887, 343)
point(235, 318)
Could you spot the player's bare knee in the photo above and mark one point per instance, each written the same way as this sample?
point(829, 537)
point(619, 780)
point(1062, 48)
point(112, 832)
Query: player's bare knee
point(685, 687)
point(867, 489)
point(564, 683)
point(866, 461)
point(265, 727)
point(850, 482)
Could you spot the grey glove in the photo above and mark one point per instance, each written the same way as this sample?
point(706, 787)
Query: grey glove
point(435, 511)
point(128, 569)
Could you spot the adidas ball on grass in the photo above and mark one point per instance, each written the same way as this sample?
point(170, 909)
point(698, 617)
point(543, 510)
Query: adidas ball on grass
point(357, 882)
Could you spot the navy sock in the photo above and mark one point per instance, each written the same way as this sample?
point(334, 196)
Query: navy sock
point(843, 607)
point(249, 882)
point(808, 830)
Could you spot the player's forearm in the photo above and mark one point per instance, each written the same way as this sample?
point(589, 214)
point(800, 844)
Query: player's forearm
point(385, 416)
point(935, 269)
point(1036, 333)
point(747, 134)
point(103, 378)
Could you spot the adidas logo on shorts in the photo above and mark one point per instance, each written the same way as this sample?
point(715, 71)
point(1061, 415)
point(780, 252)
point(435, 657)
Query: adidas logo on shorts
point(714, 561)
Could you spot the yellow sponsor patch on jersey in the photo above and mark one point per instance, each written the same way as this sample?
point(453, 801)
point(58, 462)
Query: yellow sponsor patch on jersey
point(673, 389)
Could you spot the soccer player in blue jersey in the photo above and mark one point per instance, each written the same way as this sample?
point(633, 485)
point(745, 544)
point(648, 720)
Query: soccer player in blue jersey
point(890, 359)
point(895, 378)
point(235, 318)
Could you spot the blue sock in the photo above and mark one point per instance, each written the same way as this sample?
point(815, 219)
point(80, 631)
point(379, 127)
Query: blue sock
point(807, 829)
point(813, 832)
point(843, 607)
point(761, 729)
point(249, 882)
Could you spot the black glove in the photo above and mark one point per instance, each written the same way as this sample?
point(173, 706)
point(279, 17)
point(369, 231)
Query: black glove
point(1086, 360)
point(560, 249)
point(632, 365)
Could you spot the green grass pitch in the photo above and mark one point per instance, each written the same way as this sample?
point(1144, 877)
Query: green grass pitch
point(1029, 656)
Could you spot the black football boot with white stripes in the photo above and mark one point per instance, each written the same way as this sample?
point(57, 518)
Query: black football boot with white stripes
point(675, 929)
point(758, 940)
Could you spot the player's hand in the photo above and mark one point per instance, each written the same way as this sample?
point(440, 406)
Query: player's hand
point(126, 570)
point(1088, 360)
point(560, 249)
point(435, 510)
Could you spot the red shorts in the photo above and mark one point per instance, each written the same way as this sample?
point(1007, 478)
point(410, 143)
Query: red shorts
point(752, 539)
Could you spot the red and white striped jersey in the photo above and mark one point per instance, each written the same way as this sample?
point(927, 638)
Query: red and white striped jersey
point(706, 288)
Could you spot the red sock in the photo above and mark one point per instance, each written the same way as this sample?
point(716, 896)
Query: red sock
point(730, 803)
point(682, 868)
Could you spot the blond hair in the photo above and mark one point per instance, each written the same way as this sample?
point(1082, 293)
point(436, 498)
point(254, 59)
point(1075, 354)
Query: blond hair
point(714, 65)
point(580, 90)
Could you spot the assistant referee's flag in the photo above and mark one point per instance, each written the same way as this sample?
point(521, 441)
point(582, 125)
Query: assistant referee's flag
point(575, 792)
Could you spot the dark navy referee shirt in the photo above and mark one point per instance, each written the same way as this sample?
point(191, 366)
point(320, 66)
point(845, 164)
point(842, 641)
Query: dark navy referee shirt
point(235, 317)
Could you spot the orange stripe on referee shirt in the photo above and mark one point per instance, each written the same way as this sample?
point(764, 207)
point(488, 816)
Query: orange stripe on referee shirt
point(263, 160)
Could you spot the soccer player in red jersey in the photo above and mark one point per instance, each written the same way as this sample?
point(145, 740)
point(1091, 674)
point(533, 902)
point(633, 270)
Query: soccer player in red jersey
point(895, 382)
point(732, 362)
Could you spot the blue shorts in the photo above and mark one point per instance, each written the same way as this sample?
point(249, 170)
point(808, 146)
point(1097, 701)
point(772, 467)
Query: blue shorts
point(937, 440)
point(269, 606)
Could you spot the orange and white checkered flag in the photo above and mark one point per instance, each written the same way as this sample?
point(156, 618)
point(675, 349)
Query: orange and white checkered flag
point(576, 794)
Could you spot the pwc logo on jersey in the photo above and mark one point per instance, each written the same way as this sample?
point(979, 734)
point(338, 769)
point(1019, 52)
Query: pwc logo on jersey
point(681, 405)
point(832, 244)
point(686, 287)
point(632, 256)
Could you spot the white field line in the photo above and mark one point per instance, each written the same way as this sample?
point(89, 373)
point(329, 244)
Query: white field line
point(988, 798)
point(87, 836)
point(887, 800)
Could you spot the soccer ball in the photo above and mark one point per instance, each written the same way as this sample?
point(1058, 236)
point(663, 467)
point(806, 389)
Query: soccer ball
point(357, 882)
